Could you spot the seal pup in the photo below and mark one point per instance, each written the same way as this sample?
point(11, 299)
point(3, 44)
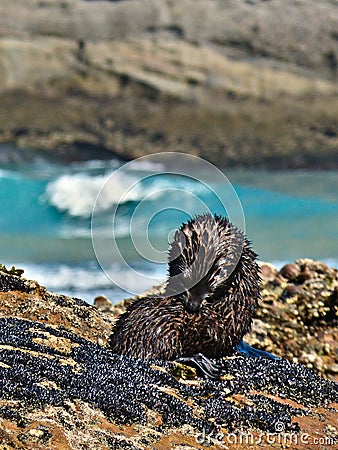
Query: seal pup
point(210, 297)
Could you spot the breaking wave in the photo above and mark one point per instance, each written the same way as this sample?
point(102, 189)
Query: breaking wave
point(76, 194)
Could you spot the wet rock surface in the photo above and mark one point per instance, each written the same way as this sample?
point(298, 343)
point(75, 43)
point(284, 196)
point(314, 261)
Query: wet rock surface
point(239, 83)
point(61, 387)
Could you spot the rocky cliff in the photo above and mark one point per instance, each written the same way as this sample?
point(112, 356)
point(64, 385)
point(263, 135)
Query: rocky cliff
point(239, 82)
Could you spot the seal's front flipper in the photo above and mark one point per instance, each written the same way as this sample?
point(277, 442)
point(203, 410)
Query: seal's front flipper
point(252, 352)
point(209, 368)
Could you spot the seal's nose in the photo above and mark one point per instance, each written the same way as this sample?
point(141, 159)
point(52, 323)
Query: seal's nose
point(193, 303)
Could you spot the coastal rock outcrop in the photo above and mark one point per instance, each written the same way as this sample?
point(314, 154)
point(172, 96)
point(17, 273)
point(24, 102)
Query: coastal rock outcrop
point(61, 387)
point(246, 82)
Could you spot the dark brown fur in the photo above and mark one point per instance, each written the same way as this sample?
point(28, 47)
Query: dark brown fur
point(212, 290)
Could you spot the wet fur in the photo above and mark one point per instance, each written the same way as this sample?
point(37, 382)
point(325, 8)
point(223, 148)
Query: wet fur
point(211, 294)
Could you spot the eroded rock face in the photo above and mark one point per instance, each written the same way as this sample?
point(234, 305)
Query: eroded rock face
point(302, 33)
point(128, 76)
point(61, 387)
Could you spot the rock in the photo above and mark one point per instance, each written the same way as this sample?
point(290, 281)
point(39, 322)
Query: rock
point(245, 28)
point(126, 79)
point(26, 299)
point(61, 387)
point(291, 290)
point(102, 303)
point(290, 271)
point(53, 397)
point(268, 271)
point(334, 368)
point(300, 315)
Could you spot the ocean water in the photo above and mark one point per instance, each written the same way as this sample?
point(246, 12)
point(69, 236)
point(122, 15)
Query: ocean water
point(49, 224)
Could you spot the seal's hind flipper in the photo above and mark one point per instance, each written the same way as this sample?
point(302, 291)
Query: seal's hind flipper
point(209, 369)
point(252, 352)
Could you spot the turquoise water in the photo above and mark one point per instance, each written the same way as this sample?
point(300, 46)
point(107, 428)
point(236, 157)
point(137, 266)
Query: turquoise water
point(46, 214)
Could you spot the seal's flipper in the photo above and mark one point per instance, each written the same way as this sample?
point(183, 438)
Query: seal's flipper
point(252, 352)
point(210, 369)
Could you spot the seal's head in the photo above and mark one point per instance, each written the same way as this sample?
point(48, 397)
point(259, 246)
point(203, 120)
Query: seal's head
point(202, 258)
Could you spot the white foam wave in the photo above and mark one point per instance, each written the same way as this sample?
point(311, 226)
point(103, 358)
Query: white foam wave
point(89, 280)
point(60, 277)
point(76, 194)
point(88, 276)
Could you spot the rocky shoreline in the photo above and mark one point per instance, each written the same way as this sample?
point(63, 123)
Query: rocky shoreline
point(61, 386)
point(246, 83)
